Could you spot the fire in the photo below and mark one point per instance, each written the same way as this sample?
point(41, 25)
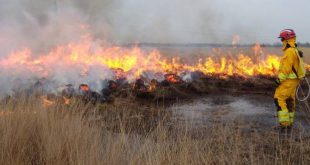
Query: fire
point(173, 78)
point(257, 49)
point(84, 88)
point(153, 85)
point(131, 63)
point(236, 40)
point(66, 100)
point(49, 102)
point(46, 102)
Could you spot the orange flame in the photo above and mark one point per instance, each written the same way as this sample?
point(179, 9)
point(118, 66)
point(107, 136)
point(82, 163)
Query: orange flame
point(46, 102)
point(236, 40)
point(66, 100)
point(153, 85)
point(132, 62)
point(173, 78)
point(84, 88)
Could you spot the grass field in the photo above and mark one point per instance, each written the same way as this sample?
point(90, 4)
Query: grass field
point(120, 134)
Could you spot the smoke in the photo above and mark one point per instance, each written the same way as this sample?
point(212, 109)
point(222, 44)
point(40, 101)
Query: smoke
point(165, 21)
point(36, 25)
point(42, 26)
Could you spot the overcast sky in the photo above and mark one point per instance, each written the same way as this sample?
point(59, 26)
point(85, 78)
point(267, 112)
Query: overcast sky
point(265, 18)
point(216, 20)
point(162, 21)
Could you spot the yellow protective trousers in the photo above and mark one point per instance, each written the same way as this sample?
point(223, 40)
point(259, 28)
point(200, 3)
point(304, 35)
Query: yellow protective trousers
point(285, 101)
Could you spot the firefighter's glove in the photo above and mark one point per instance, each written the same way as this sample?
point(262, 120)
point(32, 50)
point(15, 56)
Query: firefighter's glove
point(277, 82)
point(301, 54)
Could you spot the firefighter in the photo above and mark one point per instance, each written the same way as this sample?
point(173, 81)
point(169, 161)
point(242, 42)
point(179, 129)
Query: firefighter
point(291, 71)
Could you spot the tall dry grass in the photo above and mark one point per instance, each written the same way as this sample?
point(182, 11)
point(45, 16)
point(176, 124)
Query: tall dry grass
point(83, 134)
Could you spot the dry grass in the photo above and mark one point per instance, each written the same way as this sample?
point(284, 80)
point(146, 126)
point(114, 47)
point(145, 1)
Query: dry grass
point(79, 134)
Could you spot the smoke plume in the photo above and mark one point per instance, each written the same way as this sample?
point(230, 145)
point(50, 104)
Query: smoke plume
point(34, 28)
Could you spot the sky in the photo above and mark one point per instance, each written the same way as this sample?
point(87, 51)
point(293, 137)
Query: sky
point(31, 22)
point(218, 20)
point(263, 19)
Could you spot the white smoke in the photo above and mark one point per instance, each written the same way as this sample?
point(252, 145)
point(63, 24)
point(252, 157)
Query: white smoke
point(41, 26)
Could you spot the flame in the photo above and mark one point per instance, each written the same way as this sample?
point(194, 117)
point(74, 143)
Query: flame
point(84, 88)
point(153, 85)
point(173, 78)
point(132, 62)
point(66, 100)
point(236, 40)
point(257, 49)
point(46, 102)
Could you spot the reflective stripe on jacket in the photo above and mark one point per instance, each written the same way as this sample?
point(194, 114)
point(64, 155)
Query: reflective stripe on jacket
point(288, 61)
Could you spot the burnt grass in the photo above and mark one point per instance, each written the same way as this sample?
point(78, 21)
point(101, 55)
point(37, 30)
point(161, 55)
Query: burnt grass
point(148, 109)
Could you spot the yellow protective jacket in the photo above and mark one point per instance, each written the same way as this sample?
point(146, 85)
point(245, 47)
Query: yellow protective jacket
point(291, 65)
